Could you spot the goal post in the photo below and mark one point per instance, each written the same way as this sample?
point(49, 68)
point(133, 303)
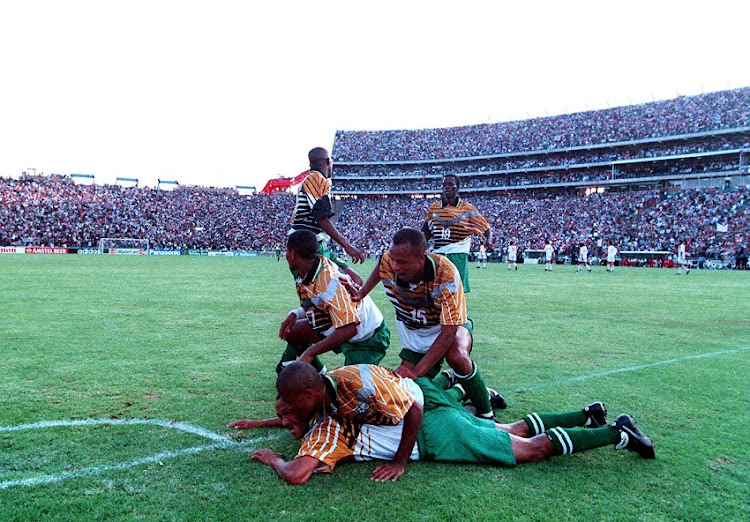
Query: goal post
point(123, 246)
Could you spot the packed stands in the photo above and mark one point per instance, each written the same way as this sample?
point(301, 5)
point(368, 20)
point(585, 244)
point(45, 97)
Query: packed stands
point(646, 176)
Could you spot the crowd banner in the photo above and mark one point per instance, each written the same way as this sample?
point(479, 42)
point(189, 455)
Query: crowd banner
point(12, 250)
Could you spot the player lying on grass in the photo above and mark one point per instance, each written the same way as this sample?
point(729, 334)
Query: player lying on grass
point(328, 319)
point(368, 412)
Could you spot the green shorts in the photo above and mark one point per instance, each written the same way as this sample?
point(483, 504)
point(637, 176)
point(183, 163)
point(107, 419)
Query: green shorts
point(462, 264)
point(414, 357)
point(370, 351)
point(449, 433)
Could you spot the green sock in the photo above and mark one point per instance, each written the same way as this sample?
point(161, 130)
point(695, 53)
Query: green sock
point(573, 440)
point(441, 381)
point(476, 391)
point(538, 423)
point(292, 352)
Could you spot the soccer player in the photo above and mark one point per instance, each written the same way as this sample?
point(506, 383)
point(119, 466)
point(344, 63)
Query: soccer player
point(611, 253)
point(430, 304)
point(549, 254)
point(682, 259)
point(482, 256)
point(583, 258)
point(368, 412)
point(512, 254)
point(451, 222)
point(327, 318)
point(313, 211)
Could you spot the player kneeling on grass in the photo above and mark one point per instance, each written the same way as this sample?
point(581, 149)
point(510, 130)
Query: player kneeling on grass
point(368, 412)
point(328, 319)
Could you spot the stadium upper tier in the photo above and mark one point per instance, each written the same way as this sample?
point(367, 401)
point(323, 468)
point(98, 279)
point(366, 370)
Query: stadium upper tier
point(685, 115)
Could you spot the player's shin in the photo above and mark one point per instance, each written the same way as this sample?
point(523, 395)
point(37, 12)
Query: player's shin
point(573, 440)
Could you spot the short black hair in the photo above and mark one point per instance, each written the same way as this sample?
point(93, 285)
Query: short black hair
point(410, 236)
point(304, 242)
point(317, 153)
point(296, 378)
point(454, 176)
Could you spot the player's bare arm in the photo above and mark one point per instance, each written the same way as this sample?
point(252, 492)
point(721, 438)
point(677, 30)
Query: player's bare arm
point(393, 470)
point(437, 351)
point(337, 338)
point(372, 282)
point(295, 472)
point(328, 227)
point(488, 241)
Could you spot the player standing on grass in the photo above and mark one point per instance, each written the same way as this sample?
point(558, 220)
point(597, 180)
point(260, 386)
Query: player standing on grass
point(583, 258)
point(426, 291)
point(313, 211)
point(682, 259)
point(482, 256)
point(549, 255)
point(369, 413)
point(450, 223)
point(328, 319)
point(611, 253)
point(512, 255)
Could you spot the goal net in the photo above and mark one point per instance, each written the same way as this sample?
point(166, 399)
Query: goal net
point(123, 245)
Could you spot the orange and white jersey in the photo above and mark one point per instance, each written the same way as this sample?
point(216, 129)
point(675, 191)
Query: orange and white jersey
point(452, 226)
point(328, 305)
point(423, 307)
point(370, 394)
point(331, 441)
point(312, 203)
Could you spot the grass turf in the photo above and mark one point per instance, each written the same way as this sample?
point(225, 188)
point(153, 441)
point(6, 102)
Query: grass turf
point(194, 339)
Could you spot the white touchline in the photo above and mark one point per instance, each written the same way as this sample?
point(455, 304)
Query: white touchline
point(620, 370)
point(220, 442)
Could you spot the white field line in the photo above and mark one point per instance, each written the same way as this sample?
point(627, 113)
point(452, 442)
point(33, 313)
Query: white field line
point(220, 442)
point(540, 385)
point(223, 442)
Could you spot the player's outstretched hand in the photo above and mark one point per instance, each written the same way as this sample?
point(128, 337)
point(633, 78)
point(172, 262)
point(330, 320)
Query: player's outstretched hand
point(266, 456)
point(244, 424)
point(390, 471)
point(356, 254)
point(286, 326)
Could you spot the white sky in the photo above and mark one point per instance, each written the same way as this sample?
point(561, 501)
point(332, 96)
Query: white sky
point(229, 93)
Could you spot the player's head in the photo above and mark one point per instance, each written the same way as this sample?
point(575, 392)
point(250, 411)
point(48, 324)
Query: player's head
point(289, 419)
point(301, 387)
point(451, 185)
point(407, 252)
point(303, 243)
point(320, 161)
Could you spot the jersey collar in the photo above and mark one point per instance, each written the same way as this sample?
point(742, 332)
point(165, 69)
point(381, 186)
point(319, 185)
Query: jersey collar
point(312, 274)
point(443, 205)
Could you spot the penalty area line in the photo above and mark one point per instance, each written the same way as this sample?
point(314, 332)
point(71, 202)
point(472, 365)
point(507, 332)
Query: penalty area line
point(532, 387)
point(221, 442)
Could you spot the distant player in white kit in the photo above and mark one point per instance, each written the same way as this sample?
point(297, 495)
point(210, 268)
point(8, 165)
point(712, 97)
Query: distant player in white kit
point(583, 258)
point(512, 253)
point(482, 256)
point(549, 254)
point(611, 253)
point(682, 259)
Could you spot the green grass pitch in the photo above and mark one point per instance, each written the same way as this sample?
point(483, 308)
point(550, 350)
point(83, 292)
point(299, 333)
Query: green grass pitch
point(110, 340)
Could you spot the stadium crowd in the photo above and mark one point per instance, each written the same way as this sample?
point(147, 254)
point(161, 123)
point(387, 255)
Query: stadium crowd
point(55, 211)
point(682, 115)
